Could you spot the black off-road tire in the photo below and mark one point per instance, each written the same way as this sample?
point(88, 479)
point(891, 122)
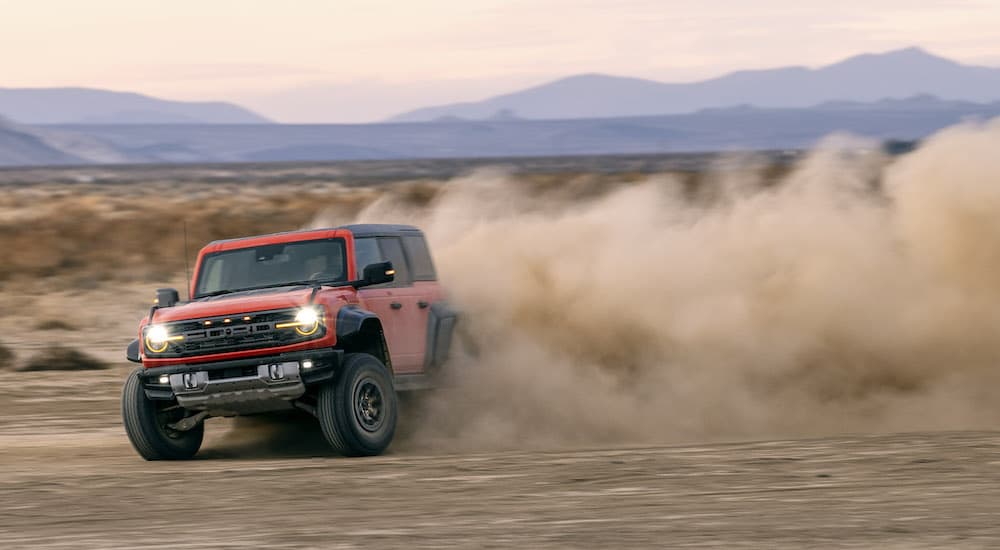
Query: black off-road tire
point(145, 425)
point(357, 412)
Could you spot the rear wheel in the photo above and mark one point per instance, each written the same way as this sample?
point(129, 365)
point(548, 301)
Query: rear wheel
point(146, 423)
point(358, 411)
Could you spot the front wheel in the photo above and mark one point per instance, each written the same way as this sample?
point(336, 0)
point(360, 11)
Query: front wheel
point(357, 412)
point(146, 425)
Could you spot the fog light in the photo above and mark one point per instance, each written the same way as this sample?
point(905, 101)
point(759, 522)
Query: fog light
point(164, 379)
point(307, 364)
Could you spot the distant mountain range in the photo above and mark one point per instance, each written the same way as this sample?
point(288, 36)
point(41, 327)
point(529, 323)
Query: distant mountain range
point(733, 128)
point(900, 95)
point(22, 145)
point(863, 78)
point(90, 106)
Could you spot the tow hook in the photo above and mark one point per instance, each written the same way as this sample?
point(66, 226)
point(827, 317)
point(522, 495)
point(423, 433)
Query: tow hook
point(189, 422)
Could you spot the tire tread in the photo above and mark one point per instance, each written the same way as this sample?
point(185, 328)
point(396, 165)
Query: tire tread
point(138, 425)
point(335, 408)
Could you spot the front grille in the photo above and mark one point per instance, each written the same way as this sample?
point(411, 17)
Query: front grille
point(233, 333)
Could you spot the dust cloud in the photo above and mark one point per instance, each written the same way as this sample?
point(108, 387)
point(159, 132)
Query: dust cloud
point(858, 293)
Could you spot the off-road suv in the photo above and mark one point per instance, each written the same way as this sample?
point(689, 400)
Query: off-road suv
point(330, 321)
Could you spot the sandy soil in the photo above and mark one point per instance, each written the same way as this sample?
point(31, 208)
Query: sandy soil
point(68, 479)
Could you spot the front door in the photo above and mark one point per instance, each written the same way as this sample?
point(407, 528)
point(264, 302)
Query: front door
point(398, 304)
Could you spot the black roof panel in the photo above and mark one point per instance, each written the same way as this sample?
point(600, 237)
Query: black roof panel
point(358, 229)
point(372, 229)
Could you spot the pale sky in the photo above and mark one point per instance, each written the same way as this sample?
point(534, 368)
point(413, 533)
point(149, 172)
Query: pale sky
point(363, 60)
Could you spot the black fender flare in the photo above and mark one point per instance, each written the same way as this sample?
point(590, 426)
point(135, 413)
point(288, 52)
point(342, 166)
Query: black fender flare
point(132, 352)
point(441, 321)
point(357, 327)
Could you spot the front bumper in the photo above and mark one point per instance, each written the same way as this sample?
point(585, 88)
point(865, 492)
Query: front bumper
point(242, 386)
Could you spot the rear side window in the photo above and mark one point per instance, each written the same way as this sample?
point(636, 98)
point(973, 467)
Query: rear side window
point(392, 250)
point(421, 266)
point(370, 250)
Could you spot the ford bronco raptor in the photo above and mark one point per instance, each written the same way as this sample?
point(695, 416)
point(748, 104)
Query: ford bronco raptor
point(330, 321)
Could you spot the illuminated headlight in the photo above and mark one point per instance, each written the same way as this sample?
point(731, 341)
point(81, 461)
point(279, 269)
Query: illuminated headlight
point(307, 321)
point(158, 338)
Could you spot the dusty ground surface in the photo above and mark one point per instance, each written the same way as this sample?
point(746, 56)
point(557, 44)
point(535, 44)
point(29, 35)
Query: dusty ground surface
point(68, 479)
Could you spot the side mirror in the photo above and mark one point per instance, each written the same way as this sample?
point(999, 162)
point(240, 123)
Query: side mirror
point(167, 297)
point(376, 274)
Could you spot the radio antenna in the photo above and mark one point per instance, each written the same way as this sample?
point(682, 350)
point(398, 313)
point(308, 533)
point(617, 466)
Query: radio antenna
point(187, 268)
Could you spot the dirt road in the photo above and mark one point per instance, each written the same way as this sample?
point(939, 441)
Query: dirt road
point(68, 479)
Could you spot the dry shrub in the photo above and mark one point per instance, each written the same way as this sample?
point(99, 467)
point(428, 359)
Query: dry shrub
point(54, 324)
point(60, 358)
point(7, 356)
point(73, 237)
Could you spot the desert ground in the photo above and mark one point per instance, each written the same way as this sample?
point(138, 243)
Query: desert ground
point(70, 480)
point(780, 404)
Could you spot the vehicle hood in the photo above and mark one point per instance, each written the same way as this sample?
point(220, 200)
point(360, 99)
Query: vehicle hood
point(235, 304)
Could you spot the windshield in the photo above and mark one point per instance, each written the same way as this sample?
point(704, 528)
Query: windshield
point(272, 266)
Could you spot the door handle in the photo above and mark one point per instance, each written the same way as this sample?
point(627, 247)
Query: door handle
point(422, 304)
point(396, 305)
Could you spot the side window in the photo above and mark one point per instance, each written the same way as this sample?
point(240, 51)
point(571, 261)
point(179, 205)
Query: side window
point(420, 258)
point(365, 252)
point(392, 250)
point(213, 274)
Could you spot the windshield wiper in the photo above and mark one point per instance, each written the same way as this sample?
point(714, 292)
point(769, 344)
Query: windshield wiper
point(317, 283)
point(215, 293)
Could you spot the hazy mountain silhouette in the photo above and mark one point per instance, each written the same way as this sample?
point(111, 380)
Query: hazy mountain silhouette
point(92, 106)
point(22, 145)
point(19, 147)
point(865, 78)
point(731, 128)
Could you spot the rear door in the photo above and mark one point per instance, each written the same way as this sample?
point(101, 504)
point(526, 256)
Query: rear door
point(426, 290)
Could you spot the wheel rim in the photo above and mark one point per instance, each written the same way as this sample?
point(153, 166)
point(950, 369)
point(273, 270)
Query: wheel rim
point(167, 416)
point(369, 405)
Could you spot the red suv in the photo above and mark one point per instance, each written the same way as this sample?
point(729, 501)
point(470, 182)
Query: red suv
point(330, 321)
